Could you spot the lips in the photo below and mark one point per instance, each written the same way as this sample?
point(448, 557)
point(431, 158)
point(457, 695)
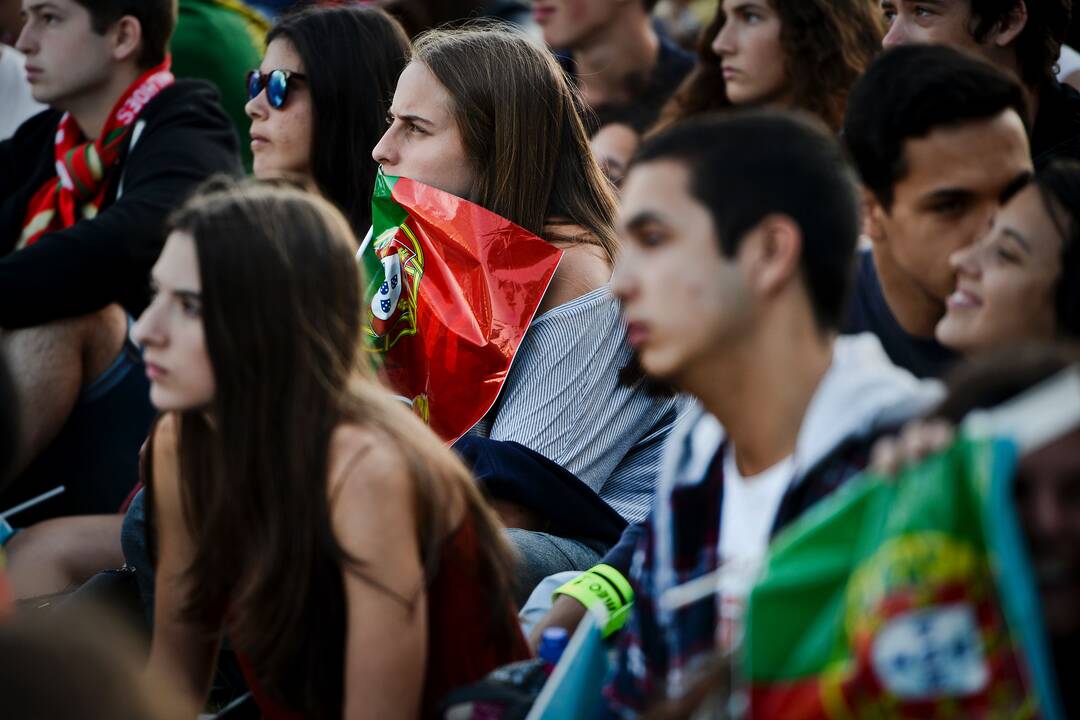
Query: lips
point(155, 372)
point(258, 141)
point(32, 72)
point(963, 299)
point(636, 334)
point(541, 13)
point(730, 72)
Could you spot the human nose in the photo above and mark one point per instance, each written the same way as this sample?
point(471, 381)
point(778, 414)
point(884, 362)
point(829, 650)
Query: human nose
point(26, 43)
point(723, 43)
point(257, 108)
point(385, 152)
point(623, 281)
point(148, 331)
point(897, 35)
point(965, 260)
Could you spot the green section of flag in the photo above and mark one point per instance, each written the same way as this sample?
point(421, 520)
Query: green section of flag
point(828, 572)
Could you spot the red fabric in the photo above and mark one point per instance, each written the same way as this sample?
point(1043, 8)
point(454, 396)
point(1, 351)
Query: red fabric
point(82, 167)
point(460, 649)
point(452, 288)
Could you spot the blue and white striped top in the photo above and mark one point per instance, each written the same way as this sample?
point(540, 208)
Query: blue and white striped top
point(563, 399)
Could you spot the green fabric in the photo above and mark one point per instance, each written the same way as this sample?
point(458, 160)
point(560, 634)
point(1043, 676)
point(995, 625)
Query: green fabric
point(848, 589)
point(219, 41)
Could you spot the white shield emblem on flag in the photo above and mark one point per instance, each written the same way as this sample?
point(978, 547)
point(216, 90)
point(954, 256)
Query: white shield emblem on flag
point(385, 301)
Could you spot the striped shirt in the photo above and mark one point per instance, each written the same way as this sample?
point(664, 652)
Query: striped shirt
point(563, 399)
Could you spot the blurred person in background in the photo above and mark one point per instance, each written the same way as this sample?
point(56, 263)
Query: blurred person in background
point(939, 142)
point(785, 54)
point(1022, 37)
point(614, 54)
point(420, 15)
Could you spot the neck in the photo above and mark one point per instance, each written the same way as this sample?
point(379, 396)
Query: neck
point(759, 388)
point(606, 62)
point(915, 310)
point(91, 111)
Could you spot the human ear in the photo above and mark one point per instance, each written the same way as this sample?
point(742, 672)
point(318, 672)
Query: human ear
point(873, 215)
point(126, 38)
point(1009, 27)
point(775, 248)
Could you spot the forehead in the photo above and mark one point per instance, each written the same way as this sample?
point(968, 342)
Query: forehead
point(62, 5)
point(281, 55)
point(178, 265)
point(1026, 212)
point(419, 92)
point(982, 157)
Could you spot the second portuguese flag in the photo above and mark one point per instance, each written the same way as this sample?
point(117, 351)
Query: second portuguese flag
point(452, 287)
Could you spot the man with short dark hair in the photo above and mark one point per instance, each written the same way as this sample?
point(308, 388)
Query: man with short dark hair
point(614, 53)
point(1023, 37)
point(80, 226)
point(738, 236)
point(938, 139)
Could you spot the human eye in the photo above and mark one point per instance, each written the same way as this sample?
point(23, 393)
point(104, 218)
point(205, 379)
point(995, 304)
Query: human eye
point(50, 18)
point(191, 307)
point(888, 11)
point(414, 129)
point(922, 11)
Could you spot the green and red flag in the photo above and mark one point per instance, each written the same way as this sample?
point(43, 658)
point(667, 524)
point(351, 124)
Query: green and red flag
point(451, 290)
point(896, 598)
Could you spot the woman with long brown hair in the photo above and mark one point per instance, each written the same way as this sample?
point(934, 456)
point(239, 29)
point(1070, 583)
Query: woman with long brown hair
point(794, 54)
point(487, 114)
point(296, 507)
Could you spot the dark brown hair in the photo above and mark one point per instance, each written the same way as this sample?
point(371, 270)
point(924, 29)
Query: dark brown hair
point(520, 121)
point(156, 17)
point(1039, 43)
point(352, 58)
point(827, 46)
point(282, 319)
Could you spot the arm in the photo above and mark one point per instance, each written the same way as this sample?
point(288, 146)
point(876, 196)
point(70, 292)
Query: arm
point(181, 652)
point(98, 262)
point(374, 518)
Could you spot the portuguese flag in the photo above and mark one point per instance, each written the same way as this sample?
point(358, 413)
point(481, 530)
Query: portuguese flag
point(451, 289)
point(902, 598)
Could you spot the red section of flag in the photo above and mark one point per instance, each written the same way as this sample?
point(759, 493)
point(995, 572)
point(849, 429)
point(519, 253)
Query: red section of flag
point(468, 284)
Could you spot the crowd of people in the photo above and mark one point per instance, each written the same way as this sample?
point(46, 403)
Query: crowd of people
point(801, 239)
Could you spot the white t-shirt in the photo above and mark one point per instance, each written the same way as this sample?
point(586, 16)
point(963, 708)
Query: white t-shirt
point(746, 519)
point(1068, 62)
point(18, 104)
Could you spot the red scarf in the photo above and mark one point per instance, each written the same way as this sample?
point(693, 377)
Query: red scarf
point(82, 167)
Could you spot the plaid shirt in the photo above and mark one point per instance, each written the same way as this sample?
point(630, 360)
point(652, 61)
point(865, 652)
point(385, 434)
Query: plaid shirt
point(653, 649)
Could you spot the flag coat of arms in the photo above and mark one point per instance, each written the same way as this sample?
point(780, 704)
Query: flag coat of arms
point(889, 600)
point(451, 290)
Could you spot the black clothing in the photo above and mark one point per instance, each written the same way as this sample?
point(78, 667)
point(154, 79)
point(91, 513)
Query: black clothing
point(186, 138)
point(1057, 126)
point(672, 66)
point(870, 312)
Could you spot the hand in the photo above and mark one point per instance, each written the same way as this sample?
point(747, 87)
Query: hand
point(565, 612)
point(917, 440)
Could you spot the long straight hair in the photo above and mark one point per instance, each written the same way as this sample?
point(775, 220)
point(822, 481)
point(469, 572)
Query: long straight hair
point(520, 121)
point(352, 58)
point(281, 297)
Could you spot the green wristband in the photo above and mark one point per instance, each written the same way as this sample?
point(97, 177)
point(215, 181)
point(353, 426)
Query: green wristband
point(602, 587)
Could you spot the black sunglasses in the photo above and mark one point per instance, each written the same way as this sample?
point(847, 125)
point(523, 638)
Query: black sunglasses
point(276, 83)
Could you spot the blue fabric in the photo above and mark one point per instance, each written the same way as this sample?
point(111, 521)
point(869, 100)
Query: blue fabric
point(96, 454)
point(870, 312)
point(511, 471)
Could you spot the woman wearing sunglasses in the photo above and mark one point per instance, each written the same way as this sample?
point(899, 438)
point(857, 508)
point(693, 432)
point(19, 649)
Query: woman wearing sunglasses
point(319, 101)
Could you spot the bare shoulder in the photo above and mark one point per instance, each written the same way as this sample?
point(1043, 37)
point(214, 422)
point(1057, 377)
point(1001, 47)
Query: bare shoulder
point(584, 266)
point(367, 472)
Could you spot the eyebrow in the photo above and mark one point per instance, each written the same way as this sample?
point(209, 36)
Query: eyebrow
point(180, 293)
point(946, 194)
point(643, 218)
point(418, 119)
point(38, 7)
